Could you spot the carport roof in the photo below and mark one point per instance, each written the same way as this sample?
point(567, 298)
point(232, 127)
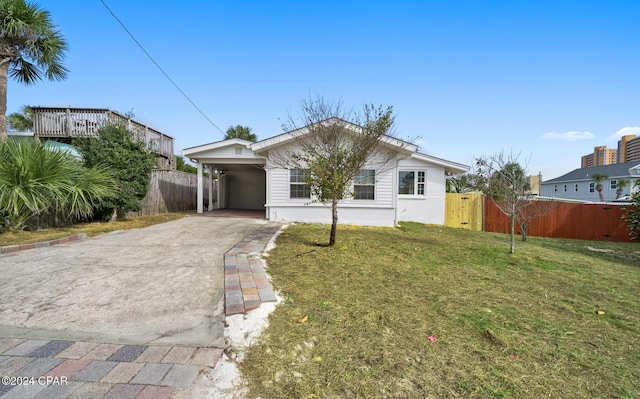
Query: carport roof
point(232, 151)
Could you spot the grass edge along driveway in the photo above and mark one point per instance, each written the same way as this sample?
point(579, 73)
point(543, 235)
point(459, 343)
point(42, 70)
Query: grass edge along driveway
point(429, 311)
point(91, 228)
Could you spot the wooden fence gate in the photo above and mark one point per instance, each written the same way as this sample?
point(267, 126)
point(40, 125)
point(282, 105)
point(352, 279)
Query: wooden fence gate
point(463, 211)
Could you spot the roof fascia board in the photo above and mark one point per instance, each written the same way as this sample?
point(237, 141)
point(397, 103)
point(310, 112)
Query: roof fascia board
point(448, 165)
point(216, 145)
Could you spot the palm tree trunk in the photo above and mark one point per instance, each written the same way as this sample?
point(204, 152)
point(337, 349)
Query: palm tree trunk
point(599, 188)
point(4, 74)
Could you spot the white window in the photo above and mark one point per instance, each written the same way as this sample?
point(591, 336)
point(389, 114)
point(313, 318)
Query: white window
point(564, 188)
point(614, 184)
point(364, 185)
point(576, 188)
point(555, 187)
point(411, 182)
point(592, 187)
point(298, 186)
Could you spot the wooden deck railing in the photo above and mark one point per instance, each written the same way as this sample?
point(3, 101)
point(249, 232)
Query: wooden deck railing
point(85, 122)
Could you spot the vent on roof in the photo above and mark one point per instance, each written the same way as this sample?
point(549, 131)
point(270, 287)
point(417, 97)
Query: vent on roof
point(238, 150)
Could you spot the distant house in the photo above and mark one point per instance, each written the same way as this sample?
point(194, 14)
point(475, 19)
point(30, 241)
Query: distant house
point(65, 124)
point(579, 184)
point(411, 187)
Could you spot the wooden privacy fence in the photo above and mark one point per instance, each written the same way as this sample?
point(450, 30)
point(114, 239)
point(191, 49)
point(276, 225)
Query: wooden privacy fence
point(171, 191)
point(599, 222)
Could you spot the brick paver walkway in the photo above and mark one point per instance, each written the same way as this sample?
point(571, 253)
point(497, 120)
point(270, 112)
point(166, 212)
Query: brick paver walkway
point(245, 282)
point(74, 369)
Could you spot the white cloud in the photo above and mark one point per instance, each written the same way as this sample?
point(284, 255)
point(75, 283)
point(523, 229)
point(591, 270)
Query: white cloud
point(569, 136)
point(635, 131)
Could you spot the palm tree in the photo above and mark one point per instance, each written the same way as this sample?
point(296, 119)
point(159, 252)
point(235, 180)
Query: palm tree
point(240, 132)
point(21, 121)
point(599, 178)
point(621, 184)
point(36, 180)
point(30, 49)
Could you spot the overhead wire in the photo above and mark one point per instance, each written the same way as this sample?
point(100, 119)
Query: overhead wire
point(159, 67)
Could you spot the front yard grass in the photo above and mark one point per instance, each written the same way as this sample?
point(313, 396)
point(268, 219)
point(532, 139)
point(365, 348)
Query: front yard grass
point(558, 319)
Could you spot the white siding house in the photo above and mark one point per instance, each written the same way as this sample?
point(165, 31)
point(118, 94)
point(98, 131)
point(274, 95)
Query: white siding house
point(408, 187)
point(579, 184)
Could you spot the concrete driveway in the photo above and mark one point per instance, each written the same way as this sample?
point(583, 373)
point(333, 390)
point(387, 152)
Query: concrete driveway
point(158, 285)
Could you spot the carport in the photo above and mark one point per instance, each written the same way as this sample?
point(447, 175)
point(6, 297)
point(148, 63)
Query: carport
point(241, 182)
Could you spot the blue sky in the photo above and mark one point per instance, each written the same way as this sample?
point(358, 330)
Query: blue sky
point(549, 80)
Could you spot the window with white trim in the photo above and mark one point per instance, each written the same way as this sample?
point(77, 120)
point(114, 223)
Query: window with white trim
point(564, 188)
point(592, 187)
point(298, 186)
point(555, 187)
point(576, 188)
point(614, 184)
point(411, 182)
point(364, 185)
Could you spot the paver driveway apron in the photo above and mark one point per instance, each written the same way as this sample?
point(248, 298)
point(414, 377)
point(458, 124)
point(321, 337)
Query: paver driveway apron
point(159, 285)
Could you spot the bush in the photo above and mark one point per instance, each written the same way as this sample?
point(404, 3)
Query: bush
point(632, 216)
point(35, 180)
point(129, 158)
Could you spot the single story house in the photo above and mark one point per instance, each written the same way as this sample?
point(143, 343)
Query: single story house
point(579, 184)
point(409, 186)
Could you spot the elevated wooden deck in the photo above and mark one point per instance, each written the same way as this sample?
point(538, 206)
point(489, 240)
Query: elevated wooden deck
point(64, 124)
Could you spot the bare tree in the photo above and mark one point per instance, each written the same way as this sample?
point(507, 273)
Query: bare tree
point(532, 208)
point(333, 146)
point(504, 181)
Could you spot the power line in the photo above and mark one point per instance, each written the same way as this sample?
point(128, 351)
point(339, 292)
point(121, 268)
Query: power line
point(160, 68)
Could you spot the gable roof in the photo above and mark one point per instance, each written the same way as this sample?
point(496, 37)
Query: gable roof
point(289, 136)
point(215, 145)
point(619, 170)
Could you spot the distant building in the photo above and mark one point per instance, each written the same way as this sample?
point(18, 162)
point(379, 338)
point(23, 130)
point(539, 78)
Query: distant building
point(534, 184)
point(628, 149)
point(601, 156)
point(579, 184)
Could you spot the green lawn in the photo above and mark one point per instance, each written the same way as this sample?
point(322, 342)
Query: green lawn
point(357, 316)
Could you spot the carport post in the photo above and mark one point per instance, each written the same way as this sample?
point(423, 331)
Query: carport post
point(210, 188)
point(199, 204)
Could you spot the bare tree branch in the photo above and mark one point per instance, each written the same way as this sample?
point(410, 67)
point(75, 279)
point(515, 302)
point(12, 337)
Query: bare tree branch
point(504, 181)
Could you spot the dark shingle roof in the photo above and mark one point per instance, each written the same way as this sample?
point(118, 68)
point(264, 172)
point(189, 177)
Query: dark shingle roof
point(618, 170)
